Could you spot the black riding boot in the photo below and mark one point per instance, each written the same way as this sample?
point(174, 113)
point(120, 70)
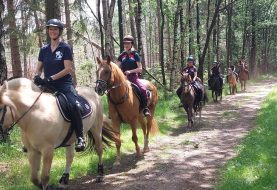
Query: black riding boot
point(78, 126)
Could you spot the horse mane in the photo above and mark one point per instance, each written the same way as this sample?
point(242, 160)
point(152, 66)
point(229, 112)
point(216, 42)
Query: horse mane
point(22, 83)
point(117, 71)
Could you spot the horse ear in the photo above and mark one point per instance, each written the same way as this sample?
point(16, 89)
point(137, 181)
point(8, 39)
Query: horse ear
point(4, 86)
point(108, 59)
point(98, 60)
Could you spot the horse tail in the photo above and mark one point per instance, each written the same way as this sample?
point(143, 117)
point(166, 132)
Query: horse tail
point(108, 134)
point(154, 127)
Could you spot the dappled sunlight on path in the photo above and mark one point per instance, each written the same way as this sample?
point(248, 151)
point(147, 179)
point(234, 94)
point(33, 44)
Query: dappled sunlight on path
point(189, 159)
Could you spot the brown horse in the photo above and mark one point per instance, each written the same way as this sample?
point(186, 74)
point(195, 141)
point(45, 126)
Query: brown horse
point(231, 80)
point(43, 128)
point(188, 99)
point(243, 75)
point(124, 106)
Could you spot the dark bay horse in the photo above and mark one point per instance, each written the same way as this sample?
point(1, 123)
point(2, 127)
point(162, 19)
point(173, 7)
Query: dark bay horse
point(43, 127)
point(124, 106)
point(188, 99)
point(243, 75)
point(216, 88)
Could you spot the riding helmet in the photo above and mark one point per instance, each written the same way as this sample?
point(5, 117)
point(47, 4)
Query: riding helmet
point(190, 58)
point(128, 38)
point(56, 23)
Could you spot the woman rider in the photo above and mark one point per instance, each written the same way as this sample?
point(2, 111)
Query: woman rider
point(55, 60)
point(129, 62)
point(192, 71)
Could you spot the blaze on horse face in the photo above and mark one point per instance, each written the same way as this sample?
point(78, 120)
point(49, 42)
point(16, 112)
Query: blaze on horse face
point(103, 76)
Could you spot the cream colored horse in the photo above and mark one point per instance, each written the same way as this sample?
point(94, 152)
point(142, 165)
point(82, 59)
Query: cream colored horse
point(43, 127)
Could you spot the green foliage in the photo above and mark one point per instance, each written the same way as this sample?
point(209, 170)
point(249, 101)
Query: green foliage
point(255, 167)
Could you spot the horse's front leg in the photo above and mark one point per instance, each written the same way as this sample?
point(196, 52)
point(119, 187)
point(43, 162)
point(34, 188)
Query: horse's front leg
point(47, 157)
point(34, 158)
point(63, 182)
point(116, 125)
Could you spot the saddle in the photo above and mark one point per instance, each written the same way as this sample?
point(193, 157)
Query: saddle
point(199, 94)
point(138, 93)
point(65, 108)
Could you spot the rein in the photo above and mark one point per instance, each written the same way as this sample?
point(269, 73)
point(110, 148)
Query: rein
point(15, 122)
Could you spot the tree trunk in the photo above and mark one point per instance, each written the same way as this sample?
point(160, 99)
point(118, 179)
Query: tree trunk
point(100, 28)
point(203, 54)
point(139, 32)
point(15, 55)
point(132, 23)
point(175, 45)
point(120, 24)
point(68, 23)
point(52, 10)
point(3, 66)
point(252, 61)
point(182, 33)
point(161, 38)
point(191, 51)
point(244, 29)
point(229, 35)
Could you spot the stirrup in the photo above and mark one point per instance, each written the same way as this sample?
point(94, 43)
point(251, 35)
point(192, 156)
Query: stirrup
point(81, 144)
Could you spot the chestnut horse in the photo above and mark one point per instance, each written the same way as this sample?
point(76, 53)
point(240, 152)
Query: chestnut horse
point(43, 127)
point(188, 99)
point(231, 80)
point(124, 105)
point(243, 76)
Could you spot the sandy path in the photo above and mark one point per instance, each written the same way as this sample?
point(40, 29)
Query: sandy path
point(188, 159)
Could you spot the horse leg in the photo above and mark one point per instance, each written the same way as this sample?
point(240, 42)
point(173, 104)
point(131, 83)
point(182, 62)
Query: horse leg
point(47, 157)
point(145, 130)
point(135, 137)
point(63, 182)
point(99, 150)
point(116, 125)
point(34, 158)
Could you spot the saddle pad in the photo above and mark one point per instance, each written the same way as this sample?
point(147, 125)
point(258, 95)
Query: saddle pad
point(137, 92)
point(64, 106)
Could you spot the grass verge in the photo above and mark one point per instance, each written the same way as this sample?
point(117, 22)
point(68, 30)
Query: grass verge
point(255, 167)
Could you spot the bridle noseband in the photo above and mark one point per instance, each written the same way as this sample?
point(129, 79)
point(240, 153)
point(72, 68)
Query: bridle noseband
point(6, 132)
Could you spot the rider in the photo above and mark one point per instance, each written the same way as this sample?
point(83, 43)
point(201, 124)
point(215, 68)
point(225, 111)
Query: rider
point(129, 62)
point(55, 59)
point(215, 72)
point(192, 71)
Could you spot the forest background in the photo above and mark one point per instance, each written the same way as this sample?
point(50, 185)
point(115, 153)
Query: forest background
point(166, 32)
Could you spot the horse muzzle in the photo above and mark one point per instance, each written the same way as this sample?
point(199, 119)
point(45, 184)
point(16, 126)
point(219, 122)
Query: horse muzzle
point(101, 87)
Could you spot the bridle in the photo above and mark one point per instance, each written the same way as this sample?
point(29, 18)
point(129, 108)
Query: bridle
point(7, 131)
point(107, 87)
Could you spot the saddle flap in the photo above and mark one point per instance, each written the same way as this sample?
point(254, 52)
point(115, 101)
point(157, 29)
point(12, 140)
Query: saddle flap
point(65, 108)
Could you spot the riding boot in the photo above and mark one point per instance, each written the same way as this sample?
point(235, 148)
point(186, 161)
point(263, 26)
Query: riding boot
point(146, 111)
point(78, 126)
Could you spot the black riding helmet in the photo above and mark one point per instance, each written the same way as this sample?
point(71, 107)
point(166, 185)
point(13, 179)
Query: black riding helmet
point(55, 23)
point(190, 58)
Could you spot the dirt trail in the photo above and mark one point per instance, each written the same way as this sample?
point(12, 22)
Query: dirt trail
point(188, 159)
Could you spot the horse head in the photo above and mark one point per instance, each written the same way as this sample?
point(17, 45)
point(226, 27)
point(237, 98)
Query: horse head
point(109, 75)
point(103, 75)
point(186, 82)
point(6, 107)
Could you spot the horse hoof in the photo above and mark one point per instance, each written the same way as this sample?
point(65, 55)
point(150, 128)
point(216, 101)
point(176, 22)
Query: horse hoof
point(146, 150)
point(99, 179)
